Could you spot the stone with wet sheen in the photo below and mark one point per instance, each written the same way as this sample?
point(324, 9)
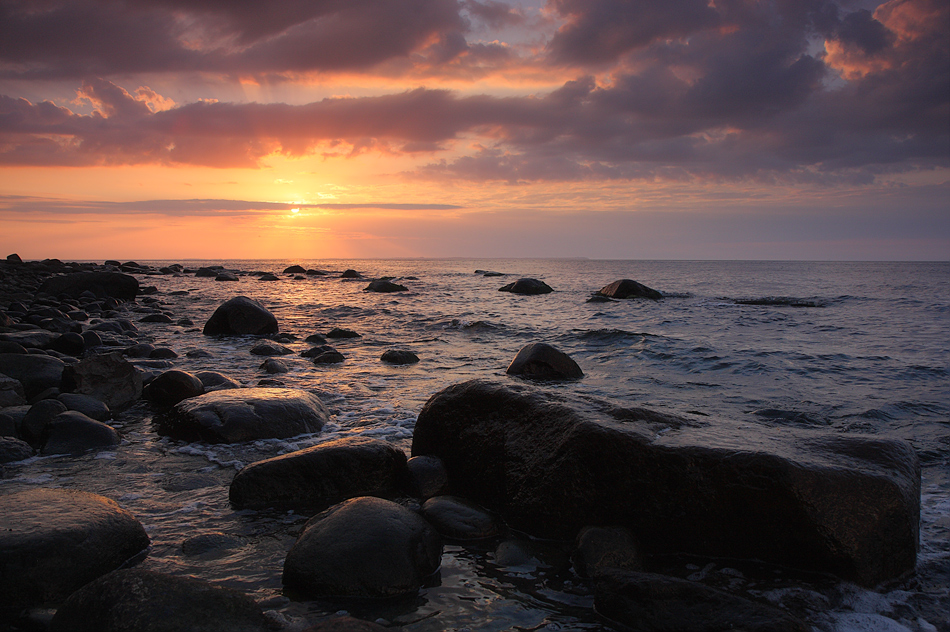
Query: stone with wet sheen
point(108, 377)
point(628, 288)
point(552, 463)
point(244, 414)
point(527, 286)
point(240, 316)
point(541, 361)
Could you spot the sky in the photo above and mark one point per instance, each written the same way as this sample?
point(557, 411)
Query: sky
point(618, 129)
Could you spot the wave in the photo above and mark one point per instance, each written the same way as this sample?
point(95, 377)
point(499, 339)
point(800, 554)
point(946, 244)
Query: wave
point(780, 301)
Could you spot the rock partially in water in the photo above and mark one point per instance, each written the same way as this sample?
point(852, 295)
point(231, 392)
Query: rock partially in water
point(102, 284)
point(338, 332)
point(599, 549)
point(137, 600)
point(399, 356)
point(226, 276)
point(270, 349)
point(36, 372)
point(213, 543)
point(171, 387)
point(459, 519)
point(385, 286)
point(13, 449)
point(427, 477)
point(295, 269)
point(274, 365)
point(214, 381)
point(89, 406)
point(363, 547)
point(241, 316)
point(351, 274)
point(541, 361)
point(657, 603)
point(33, 425)
point(72, 432)
point(332, 356)
point(54, 541)
point(320, 476)
point(527, 286)
point(11, 392)
point(107, 377)
point(551, 463)
point(628, 288)
point(247, 414)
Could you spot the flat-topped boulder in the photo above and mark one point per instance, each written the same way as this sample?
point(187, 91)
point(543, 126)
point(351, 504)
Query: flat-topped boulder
point(244, 414)
point(551, 463)
point(322, 475)
point(36, 372)
point(102, 284)
point(527, 286)
point(241, 316)
point(54, 541)
point(628, 288)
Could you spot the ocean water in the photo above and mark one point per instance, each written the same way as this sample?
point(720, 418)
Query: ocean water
point(849, 347)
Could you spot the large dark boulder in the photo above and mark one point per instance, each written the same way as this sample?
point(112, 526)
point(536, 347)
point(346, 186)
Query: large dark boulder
point(656, 603)
point(627, 288)
point(12, 449)
point(550, 464)
point(541, 361)
point(363, 547)
point(385, 286)
point(244, 414)
point(137, 600)
point(102, 284)
point(320, 476)
point(239, 316)
point(54, 541)
point(89, 406)
point(171, 387)
point(36, 372)
point(527, 286)
point(108, 377)
point(72, 432)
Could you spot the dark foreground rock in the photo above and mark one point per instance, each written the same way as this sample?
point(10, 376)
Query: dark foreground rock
point(317, 477)
point(459, 519)
point(600, 549)
point(72, 432)
point(628, 288)
point(171, 387)
point(13, 449)
point(35, 372)
point(527, 286)
point(551, 464)
point(244, 414)
point(241, 316)
point(102, 284)
point(363, 547)
point(54, 541)
point(108, 377)
point(655, 603)
point(136, 600)
point(541, 361)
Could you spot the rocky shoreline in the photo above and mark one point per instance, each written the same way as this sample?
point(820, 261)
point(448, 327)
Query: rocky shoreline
point(622, 486)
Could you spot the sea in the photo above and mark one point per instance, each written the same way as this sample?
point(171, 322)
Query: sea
point(841, 347)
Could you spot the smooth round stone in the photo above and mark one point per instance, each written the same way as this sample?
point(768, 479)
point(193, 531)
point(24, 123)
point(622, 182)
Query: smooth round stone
point(399, 356)
point(171, 387)
point(427, 477)
point(72, 432)
point(54, 541)
point(459, 519)
point(89, 406)
point(541, 361)
point(274, 365)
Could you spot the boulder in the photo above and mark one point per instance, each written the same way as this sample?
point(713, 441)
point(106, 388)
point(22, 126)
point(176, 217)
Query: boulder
point(31, 338)
point(274, 365)
point(157, 318)
point(627, 288)
point(102, 284)
point(89, 406)
point(295, 269)
point(226, 276)
point(72, 432)
point(427, 477)
point(70, 343)
point(12, 449)
point(338, 332)
point(270, 349)
point(11, 392)
point(459, 519)
point(363, 547)
point(241, 316)
point(33, 425)
point(551, 463)
point(214, 381)
point(385, 286)
point(656, 603)
point(320, 476)
point(54, 541)
point(399, 356)
point(137, 600)
point(36, 372)
point(541, 361)
point(599, 549)
point(246, 414)
point(171, 387)
point(527, 286)
point(269, 277)
point(108, 377)
point(331, 356)
point(351, 274)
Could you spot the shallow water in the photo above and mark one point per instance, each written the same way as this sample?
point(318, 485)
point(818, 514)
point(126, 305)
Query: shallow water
point(851, 347)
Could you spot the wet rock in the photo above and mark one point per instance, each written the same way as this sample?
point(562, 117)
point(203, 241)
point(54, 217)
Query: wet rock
point(102, 284)
point(541, 361)
point(157, 318)
point(459, 519)
point(206, 273)
point(338, 332)
point(527, 286)
point(274, 365)
point(316, 339)
point(551, 463)
point(269, 277)
point(210, 544)
point(385, 286)
point(31, 338)
point(240, 316)
point(270, 349)
point(70, 343)
point(13, 449)
point(363, 547)
point(247, 414)
point(599, 549)
point(72, 432)
point(329, 357)
point(162, 353)
point(427, 477)
point(36, 372)
point(351, 274)
point(107, 377)
point(137, 600)
point(399, 356)
point(656, 603)
point(54, 541)
point(320, 476)
point(89, 406)
point(11, 392)
point(346, 624)
point(226, 276)
point(214, 381)
point(171, 387)
point(295, 269)
point(40, 415)
point(8, 346)
point(627, 288)
point(141, 350)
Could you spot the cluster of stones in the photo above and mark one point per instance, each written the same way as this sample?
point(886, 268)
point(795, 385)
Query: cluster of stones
point(625, 485)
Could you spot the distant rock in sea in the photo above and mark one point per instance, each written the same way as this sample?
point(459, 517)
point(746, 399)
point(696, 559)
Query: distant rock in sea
point(527, 286)
point(627, 288)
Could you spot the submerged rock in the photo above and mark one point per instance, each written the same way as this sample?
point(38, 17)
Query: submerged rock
point(137, 600)
point(363, 547)
point(551, 464)
point(320, 476)
point(527, 286)
point(246, 414)
point(241, 316)
point(627, 288)
point(541, 361)
point(54, 541)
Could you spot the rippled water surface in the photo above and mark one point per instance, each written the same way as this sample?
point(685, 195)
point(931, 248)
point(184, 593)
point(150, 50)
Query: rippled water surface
point(852, 347)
